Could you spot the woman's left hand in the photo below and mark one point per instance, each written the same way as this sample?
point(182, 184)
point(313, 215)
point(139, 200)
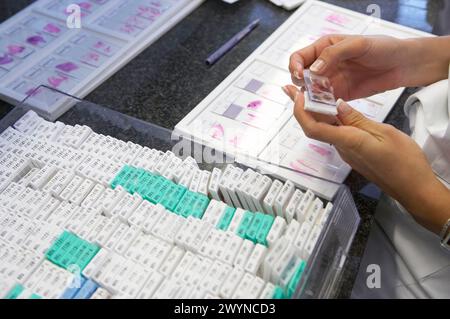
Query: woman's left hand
point(385, 156)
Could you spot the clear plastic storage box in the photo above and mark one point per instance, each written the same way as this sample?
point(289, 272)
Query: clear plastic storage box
point(326, 264)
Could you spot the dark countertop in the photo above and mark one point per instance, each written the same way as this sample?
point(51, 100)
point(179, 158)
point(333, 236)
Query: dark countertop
point(168, 79)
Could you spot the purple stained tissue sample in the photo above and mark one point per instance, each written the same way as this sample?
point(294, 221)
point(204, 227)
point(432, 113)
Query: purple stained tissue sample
point(31, 92)
point(35, 40)
point(5, 59)
point(85, 5)
point(99, 44)
point(67, 67)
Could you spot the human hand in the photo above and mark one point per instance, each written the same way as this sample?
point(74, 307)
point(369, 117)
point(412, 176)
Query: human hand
point(361, 66)
point(385, 156)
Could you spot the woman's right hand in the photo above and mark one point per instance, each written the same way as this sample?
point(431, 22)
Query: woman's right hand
point(361, 66)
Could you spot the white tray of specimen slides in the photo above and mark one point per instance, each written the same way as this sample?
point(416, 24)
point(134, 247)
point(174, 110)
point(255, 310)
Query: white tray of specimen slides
point(249, 117)
point(37, 47)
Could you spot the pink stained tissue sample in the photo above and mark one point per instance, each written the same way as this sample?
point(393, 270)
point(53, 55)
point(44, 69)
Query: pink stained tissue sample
point(55, 81)
point(67, 67)
point(148, 12)
point(91, 56)
point(52, 28)
point(127, 28)
point(15, 49)
point(337, 19)
point(254, 105)
point(296, 167)
point(299, 164)
point(104, 47)
point(319, 150)
point(217, 131)
point(234, 141)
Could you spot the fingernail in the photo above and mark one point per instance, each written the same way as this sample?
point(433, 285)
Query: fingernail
point(285, 89)
point(297, 92)
point(343, 108)
point(296, 73)
point(317, 66)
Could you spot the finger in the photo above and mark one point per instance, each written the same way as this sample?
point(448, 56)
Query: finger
point(348, 116)
point(297, 82)
point(337, 135)
point(296, 66)
point(305, 57)
point(325, 118)
point(330, 119)
point(292, 92)
point(351, 47)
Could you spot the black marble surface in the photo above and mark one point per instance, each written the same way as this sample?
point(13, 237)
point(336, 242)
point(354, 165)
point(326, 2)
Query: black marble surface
point(168, 79)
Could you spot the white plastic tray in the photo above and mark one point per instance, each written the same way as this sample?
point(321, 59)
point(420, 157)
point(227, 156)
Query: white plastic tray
point(278, 143)
point(16, 77)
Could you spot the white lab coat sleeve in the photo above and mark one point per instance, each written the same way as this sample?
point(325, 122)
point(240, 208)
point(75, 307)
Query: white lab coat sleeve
point(412, 263)
point(429, 115)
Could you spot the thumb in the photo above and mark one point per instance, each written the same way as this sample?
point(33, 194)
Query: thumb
point(351, 117)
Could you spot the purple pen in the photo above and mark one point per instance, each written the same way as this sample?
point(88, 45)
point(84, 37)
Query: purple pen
point(214, 57)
